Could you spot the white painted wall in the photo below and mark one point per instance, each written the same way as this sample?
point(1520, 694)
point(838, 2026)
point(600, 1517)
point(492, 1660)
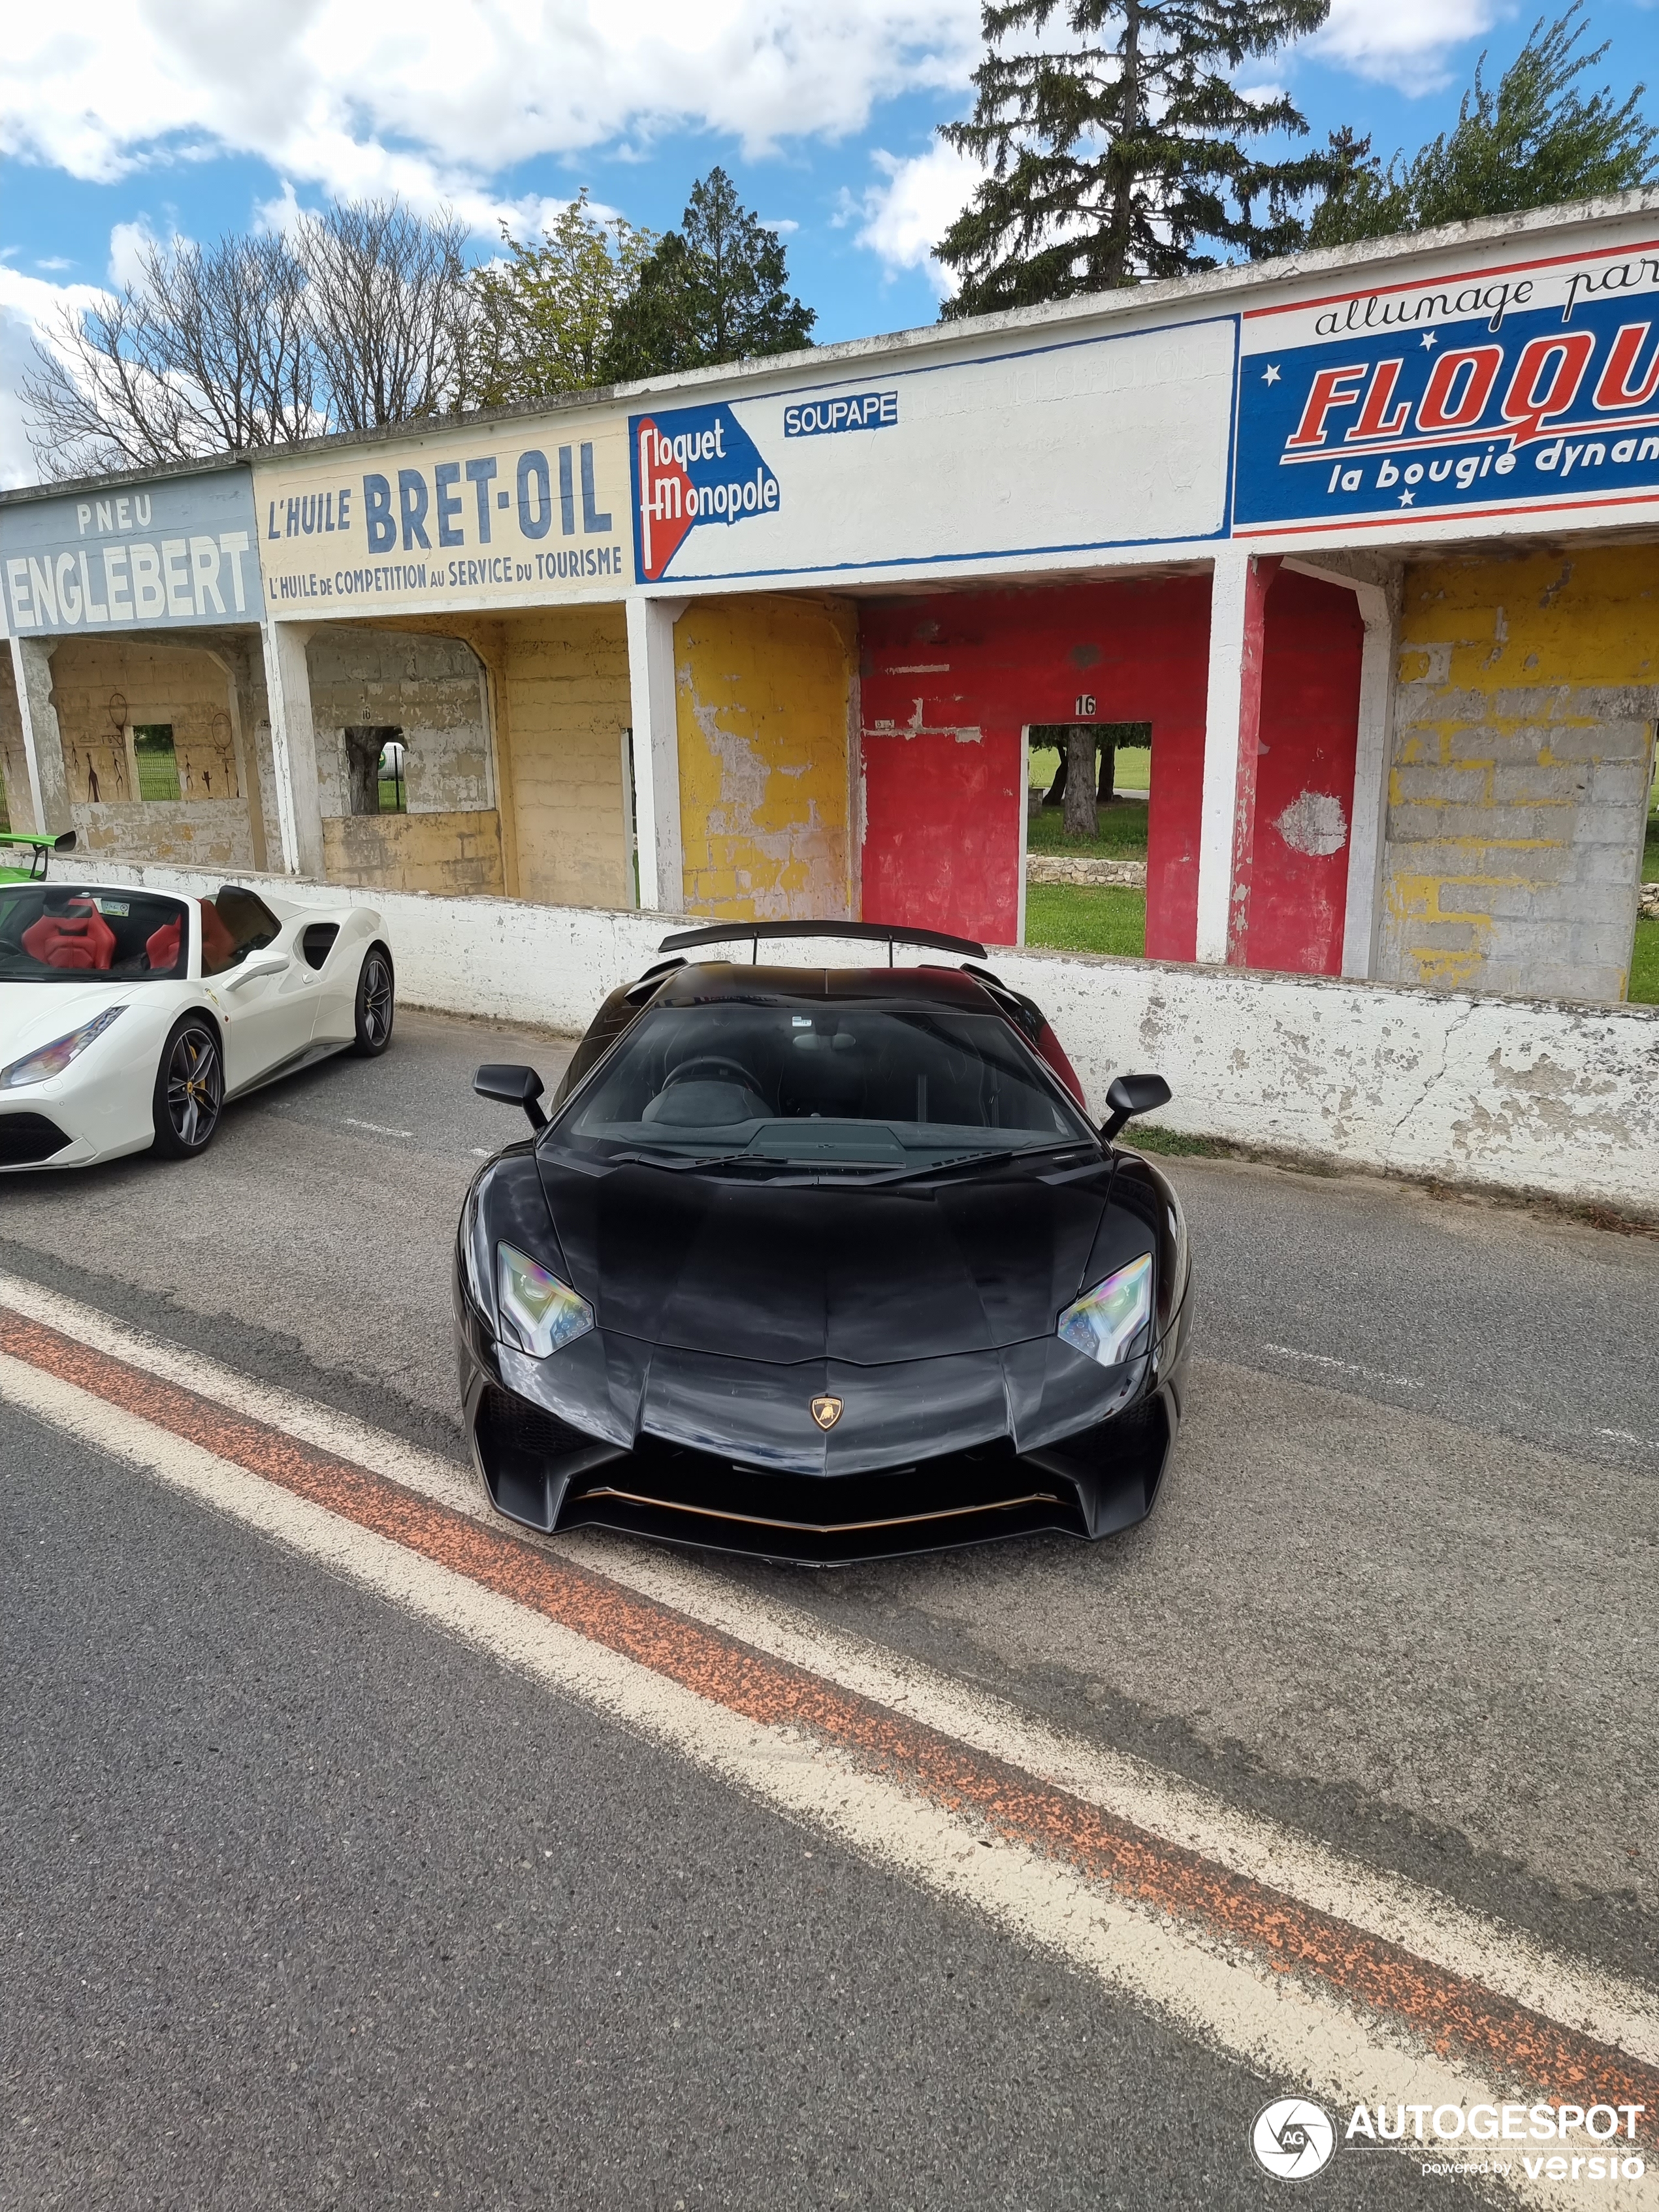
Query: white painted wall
point(1503, 1092)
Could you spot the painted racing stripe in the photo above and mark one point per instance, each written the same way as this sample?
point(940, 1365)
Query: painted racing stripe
point(1454, 2017)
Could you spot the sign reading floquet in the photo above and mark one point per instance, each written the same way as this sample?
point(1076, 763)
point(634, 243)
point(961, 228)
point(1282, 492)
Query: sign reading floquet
point(1525, 388)
point(691, 466)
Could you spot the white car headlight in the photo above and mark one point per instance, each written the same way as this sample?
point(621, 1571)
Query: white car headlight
point(544, 1313)
point(52, 1059)
point(1104, 1321)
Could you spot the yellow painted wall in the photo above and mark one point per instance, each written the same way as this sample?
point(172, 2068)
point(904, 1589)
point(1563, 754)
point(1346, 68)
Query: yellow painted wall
point(1524, 750)
point(764, 687)
point(457, 854)
point(562, 699)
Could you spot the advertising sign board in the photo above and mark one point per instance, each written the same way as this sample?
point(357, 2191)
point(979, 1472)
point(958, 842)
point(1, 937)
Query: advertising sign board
point(1069, 446)
point(527, 513)
point(1497, 392)
point(173, 554)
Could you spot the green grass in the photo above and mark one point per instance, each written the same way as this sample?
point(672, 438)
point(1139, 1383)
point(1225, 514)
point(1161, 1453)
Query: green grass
point(1133, 771)
point(1069, 919)
point(393, 796)
point(1643, 964)
point(1122, 834)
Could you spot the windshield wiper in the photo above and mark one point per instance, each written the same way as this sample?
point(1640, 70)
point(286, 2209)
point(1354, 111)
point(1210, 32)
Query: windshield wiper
point(966, 1159)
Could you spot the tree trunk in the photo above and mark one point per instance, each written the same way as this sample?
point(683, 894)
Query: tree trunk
point(1081, 819)
point(1056, 791)
point(1108, 771)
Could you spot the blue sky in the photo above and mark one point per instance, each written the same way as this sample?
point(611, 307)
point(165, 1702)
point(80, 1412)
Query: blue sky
point(196, 115)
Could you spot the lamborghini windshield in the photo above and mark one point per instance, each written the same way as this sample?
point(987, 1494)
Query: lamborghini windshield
point(862, 1085)
point(59, 933)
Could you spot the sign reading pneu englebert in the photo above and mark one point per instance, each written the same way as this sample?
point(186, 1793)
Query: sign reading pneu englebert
point(523, 513)
point(174, 553)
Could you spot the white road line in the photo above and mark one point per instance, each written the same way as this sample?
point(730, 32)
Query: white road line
point(375, 1128)
point(1515, 1965)
point(1343, 1366)
point(1223, 1996)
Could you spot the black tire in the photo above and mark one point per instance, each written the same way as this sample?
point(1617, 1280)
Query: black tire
point(190, 1089)
point(376, 1004)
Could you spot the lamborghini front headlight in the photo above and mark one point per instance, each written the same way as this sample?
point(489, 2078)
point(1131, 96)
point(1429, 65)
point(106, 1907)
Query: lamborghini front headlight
point(1104, 1322)
point(542, 1312)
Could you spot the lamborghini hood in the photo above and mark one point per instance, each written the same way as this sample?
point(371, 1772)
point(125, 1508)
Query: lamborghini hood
point(869, 1274)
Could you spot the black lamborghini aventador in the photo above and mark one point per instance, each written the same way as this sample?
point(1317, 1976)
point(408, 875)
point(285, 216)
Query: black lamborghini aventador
point(820, 1264)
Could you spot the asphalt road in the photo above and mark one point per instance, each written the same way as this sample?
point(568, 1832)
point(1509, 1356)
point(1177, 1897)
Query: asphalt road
point(1399, 1592)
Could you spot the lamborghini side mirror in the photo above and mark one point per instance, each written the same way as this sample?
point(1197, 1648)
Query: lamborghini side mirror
point(512, 1086)
point(1131, 1095)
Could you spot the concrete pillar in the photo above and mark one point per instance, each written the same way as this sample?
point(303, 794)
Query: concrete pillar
point(656, 751)
point(294, 749)
point(1238, 599)
point(1377, 595)
point(246, 701)
point(43, 742)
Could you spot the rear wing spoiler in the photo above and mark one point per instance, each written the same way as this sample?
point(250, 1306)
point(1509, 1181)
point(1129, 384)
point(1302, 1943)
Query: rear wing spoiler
point(859, 932)
point(37, 849)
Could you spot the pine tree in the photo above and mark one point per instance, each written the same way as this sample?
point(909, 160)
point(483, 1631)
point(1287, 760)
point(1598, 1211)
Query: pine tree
point(1124, 154)
point(716, 289)
point(1533, 142)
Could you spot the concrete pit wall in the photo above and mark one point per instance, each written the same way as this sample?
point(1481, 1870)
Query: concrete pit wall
point(1524, 754)
point(766, 692)
point(1361, 1075)
point(102, 687)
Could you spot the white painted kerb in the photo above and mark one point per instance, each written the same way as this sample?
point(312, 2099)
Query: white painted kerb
point(1505, 1092)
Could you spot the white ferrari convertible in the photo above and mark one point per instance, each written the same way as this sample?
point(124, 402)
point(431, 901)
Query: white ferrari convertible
point(129, 1017)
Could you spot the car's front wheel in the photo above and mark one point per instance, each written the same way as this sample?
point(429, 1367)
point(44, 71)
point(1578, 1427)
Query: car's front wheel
point(376, 1004)
point(190, 1090)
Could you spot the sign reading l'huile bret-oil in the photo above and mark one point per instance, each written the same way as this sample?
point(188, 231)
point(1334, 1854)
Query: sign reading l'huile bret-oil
point(491, 516)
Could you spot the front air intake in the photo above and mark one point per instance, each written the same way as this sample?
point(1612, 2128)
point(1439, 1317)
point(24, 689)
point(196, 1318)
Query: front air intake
point(25, 1139)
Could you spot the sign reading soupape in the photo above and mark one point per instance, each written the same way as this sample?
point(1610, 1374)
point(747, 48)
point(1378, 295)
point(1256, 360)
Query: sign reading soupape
point(175, 553)
point(494, 516)
point(1494, 392)
point(1062, 448)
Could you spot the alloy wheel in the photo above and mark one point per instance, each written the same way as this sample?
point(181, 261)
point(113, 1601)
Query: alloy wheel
point(196, 1087)
point(377, 1002)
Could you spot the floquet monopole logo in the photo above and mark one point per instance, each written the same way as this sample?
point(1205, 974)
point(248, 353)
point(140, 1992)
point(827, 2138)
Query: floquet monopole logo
point(693, 468)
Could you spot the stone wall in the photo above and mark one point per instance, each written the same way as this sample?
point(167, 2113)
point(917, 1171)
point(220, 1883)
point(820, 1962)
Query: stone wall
point(1523, 753)
point(13, 762)
point(430, 688)
point(457, 854)
point(564, 708)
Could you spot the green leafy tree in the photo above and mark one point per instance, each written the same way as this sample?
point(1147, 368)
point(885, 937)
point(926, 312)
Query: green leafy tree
point(545, 315)
point(1535, 142)
point(715, 289)
point(1124, 154)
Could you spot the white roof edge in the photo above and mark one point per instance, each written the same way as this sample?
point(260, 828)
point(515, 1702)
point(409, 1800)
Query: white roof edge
point(1221, 287)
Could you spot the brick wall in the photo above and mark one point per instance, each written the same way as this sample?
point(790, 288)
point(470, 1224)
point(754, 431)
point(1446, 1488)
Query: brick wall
point(563, 702)
point(1524, 750)
point(458, 855)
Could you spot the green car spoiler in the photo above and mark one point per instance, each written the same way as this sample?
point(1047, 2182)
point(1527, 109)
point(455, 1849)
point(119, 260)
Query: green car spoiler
point(38, 850)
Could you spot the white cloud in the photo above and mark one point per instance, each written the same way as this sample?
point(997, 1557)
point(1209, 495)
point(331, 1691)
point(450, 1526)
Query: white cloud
point(30, 308)
point(1407, 44)
point(128, 243)
point(363, 96)
point(904, 218)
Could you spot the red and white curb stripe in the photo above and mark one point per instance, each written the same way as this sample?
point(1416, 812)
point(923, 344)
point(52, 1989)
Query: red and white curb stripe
point(1320, 1974)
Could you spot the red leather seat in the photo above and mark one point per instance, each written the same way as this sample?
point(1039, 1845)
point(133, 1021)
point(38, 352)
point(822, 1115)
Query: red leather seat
point(78, 938)
point(161, 951)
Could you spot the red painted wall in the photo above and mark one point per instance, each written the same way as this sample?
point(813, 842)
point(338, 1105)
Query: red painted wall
point(948, 685)
point(1305, 771)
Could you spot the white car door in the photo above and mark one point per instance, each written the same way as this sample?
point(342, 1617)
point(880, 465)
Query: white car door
point(262, 988)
